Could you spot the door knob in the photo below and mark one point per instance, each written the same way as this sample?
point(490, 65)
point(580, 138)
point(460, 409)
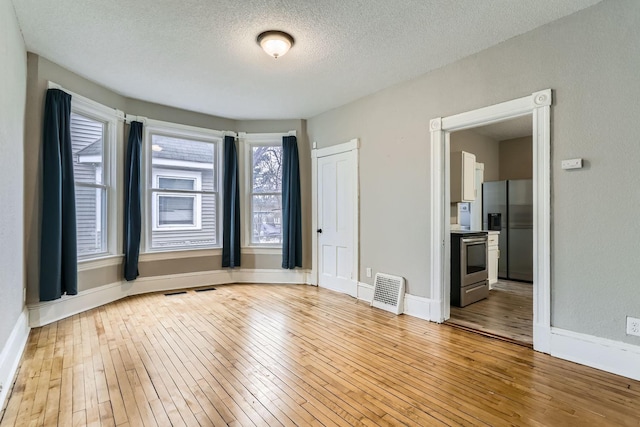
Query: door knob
point(319, 230)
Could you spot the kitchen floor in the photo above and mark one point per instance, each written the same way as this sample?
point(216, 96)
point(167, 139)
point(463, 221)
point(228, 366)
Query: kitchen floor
point(506, 313)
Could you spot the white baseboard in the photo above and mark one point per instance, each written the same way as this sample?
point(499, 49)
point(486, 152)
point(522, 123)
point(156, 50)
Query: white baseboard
point(43, 313)
point(600, 353)
point(365, 292)
point(542, 338)
point(415, 306)
point(12, 353)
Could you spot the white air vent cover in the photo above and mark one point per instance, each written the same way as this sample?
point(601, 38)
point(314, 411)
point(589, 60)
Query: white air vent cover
point(388, 293)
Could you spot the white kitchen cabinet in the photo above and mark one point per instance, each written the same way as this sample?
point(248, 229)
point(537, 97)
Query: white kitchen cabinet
point(463, 177)
point(493, 256)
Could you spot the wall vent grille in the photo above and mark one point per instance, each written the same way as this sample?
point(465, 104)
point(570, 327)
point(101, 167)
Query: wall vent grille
point(388, 293)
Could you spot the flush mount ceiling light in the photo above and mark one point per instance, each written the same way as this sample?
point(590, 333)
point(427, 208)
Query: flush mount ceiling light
point(275, 43)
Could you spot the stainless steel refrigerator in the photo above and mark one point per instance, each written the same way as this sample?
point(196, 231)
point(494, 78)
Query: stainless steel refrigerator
point(513, 201)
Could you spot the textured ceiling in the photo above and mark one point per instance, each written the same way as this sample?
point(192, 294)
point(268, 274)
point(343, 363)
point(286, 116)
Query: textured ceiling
point(201, 55)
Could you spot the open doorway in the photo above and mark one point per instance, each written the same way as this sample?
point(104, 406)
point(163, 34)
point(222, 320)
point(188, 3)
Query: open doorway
point(538, 105)
point(496, 160)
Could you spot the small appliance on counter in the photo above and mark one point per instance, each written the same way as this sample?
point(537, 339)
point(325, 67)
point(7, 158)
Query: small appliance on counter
point(469, 269)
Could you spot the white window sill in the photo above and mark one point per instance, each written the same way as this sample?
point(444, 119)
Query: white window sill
point(261, 250)
point(179, 254)
point(196, 253)
point(94, 263)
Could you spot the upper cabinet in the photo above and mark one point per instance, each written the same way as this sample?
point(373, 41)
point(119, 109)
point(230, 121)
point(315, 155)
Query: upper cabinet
point(463, 177)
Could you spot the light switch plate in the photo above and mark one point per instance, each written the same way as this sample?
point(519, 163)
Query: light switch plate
point(368, 272)
point(572, 164)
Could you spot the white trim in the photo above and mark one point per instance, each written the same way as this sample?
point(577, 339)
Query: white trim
point(185, 131)
point(365, 292)
point(179, 254)
point(600, 353)
point(416, 306)
point(538, 105)
point(174, 130)
point(182, 164)
point(350, 146)
point(197, 253)
point(111, 152)
point(92, 264)
point(265, 138)
point(261, 250)
point(157, 192)
point(89, 105)
point(314, 218)
point(12, 353)
point(43, 313)
point(245, 144)
point(128, 118)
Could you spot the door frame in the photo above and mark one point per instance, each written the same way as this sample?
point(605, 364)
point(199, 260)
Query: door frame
point(352, 147)
point(538, 105)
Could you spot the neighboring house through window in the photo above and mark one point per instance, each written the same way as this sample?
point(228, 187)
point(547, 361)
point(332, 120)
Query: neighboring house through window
point(183, 204)
point(93, 146)
point(177, 209)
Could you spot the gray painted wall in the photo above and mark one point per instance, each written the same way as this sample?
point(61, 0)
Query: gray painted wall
point(591, 60)
point(13, 80)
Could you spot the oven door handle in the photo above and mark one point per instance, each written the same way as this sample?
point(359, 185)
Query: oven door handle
point(475, 240)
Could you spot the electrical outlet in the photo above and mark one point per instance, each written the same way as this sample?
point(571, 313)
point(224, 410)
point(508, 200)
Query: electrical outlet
point(633, 326)
point(368, 272)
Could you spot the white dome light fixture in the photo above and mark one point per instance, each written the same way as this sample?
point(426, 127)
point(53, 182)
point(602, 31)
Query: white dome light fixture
point(275, 43)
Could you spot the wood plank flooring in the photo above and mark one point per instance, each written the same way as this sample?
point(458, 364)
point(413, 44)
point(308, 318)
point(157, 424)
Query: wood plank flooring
point(271, 355)
point(507, 313)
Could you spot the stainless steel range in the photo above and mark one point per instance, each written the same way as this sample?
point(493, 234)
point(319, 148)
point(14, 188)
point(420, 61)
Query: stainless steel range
point(469, 271)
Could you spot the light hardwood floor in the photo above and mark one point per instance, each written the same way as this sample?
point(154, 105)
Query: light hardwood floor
point(507, 312)
point(288, 355)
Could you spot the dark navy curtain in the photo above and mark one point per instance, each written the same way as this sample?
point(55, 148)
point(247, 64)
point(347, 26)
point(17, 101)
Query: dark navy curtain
point(132, 202)
point(58, 250)
point(291, 211)
point(231, 219)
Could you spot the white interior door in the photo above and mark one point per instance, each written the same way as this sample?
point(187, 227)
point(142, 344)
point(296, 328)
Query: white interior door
point(336, 222)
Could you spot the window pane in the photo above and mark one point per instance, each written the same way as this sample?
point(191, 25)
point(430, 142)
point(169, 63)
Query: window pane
point(86, 145)
point(176, 183)
point(186, 158)
point(176, 210)
point(184, 221)
point(91, 220)
point(266, 224)
point(267, 169)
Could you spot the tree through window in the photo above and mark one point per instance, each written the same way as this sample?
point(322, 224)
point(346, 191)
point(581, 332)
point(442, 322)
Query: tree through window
point(266, 194)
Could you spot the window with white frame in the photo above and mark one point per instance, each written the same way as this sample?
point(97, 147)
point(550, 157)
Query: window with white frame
point(183, 196)
point(177, 210)
point(264, 167)
point(93, 144)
